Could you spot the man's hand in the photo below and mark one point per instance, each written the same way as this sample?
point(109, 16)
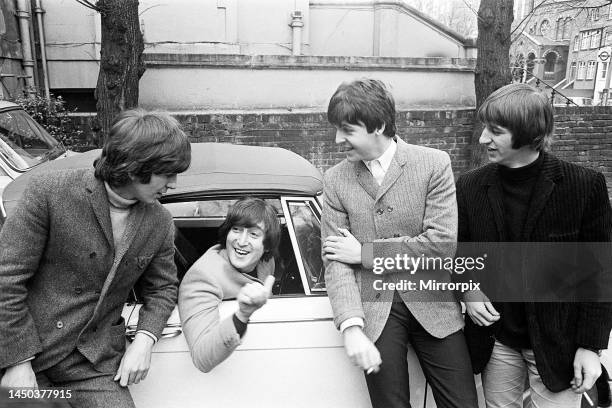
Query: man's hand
point(360, 350)
point(19, 376)
point(252, 296)
point(587, 368)
point(343, 248)
point(136, 361)
point(480, 309)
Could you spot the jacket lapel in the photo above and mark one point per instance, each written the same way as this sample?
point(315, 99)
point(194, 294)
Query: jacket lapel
point(365, 179)
point(494, 194)
point(542, 190)
point(393, 173)
point(99, 204)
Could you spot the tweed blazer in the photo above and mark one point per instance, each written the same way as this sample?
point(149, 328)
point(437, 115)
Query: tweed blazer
point(61, 285)
point(209, 281)
point(569, 203)
point(414, 209)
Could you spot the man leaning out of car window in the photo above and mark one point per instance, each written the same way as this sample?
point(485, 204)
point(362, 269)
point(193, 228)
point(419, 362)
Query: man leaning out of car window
point(240, 266)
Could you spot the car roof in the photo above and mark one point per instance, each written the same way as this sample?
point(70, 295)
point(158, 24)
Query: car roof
point(7, 104)
point(217, 169)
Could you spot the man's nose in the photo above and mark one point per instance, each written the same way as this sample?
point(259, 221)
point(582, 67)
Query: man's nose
point(171, 181)
point(243, 237)
point(484, 137)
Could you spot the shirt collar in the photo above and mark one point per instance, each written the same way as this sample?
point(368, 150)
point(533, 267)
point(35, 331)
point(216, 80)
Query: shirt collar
point(385, 159)
point(116, 200)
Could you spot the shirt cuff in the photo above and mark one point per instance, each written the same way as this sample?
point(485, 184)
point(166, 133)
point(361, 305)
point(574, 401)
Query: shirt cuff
point(352, 321)
point(22, 361)
point(148, 333)
point(239, 325)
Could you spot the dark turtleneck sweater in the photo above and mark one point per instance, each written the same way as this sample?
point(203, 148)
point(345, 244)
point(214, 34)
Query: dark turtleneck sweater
point(517, 188)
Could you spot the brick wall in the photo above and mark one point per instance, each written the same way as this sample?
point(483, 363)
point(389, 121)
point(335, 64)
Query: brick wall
point(583, 135)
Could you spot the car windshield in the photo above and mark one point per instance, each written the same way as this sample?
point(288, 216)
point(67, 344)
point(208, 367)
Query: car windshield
point(24, 143)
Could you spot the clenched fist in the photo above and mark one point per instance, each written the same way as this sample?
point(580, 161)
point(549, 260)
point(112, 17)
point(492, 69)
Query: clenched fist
point(252, 296)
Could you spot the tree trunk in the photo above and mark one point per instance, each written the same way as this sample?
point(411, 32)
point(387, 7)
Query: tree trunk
point(121, 60)
point(493, 60)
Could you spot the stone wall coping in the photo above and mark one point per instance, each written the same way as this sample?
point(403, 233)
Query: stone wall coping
point(297, 111)
point(348, 63)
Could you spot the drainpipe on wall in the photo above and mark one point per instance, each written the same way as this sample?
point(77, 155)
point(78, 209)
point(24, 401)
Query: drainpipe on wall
point(23, 14)
point(43, 52)
point(296, 28)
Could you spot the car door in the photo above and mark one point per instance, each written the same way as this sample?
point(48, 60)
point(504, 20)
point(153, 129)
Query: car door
point(291, 355)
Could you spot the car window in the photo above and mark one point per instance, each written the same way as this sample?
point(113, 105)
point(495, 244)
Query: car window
point(305, 230)
point(197, 225)
point(23, 142)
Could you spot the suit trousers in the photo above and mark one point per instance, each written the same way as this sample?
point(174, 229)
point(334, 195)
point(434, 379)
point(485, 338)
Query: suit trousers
point(503, 382)
point(89, 388)
point(445, 363)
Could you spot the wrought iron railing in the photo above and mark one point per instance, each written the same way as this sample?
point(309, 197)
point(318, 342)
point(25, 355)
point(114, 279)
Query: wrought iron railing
point(538, 81)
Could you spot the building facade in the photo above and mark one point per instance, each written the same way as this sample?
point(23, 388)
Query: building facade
point(564, 45)
point(232, 54)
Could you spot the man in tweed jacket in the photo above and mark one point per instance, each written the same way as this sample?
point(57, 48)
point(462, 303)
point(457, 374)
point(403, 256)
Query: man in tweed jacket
point(78, 242)
point(391, 196)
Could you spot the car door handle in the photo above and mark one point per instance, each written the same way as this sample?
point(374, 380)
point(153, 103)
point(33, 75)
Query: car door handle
point(171, 330)
point(174, 330)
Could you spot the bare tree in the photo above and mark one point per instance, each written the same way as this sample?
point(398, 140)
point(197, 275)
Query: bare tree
point(121, 59)
point(459, 15)
point(493, 62)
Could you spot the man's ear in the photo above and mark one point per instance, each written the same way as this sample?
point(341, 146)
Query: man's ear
point(380, 130)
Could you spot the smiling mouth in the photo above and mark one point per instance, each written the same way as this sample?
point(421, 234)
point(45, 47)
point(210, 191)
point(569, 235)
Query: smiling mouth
point(241, 252)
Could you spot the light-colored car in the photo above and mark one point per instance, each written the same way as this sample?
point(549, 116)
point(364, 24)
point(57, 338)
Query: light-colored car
point(24, 144)
point(291, 355)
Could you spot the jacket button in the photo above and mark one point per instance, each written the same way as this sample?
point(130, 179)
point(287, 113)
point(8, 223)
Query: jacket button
point(380, 211)
point(92, 255)
point(377, 295)
point(389, 209)
point(78, 291)
point(59, 324)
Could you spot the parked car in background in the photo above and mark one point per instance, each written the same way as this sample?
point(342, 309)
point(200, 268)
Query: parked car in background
point(24, 144)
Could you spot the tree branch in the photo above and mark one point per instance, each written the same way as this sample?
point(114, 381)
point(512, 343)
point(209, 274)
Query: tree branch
point(88, 4)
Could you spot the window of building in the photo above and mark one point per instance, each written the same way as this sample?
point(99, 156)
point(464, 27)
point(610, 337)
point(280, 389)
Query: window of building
point(572, 73)
point(566, 28)
point(576, 43)
point(585, 38)
point(581, 70)
point(595, 39)
point(590, 73)
point(610, 13)
point(549, 65)
point(604, 70)
point(594, 14)
point(608, 38)
point(544, 27)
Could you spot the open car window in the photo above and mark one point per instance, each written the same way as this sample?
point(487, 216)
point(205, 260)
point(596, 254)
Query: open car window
point(197, 224)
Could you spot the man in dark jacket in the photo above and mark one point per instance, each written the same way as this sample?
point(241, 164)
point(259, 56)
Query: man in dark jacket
point(528, 195)
point(69, 255)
